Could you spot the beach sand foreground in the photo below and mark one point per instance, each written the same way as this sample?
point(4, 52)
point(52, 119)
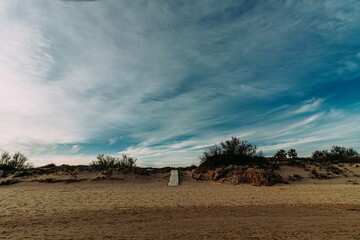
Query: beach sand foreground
point(193, 210)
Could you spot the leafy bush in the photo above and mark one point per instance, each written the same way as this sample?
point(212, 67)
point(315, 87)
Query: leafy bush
point(292, 153)
point(104, 162)
point(18, 161)
point(127, 162)
point(336, 154)
point(320, 155)
point(110, 162)
point(281, 154)
point(231, 151)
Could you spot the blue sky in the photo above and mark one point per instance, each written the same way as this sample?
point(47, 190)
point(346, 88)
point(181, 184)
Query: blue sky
point(164, 80)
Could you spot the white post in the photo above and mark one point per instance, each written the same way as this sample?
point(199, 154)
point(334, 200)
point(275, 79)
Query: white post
point(174, 178)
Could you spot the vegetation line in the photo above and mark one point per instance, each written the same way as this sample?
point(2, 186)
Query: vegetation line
point(229, 152)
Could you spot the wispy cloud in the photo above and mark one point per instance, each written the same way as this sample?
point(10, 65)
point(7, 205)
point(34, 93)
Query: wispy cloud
point(173, 78)
point(113, 140)
point(75, 149)
point(310, 106)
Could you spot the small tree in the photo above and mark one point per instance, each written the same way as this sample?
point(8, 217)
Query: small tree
point(281, 154)
point(292, 153)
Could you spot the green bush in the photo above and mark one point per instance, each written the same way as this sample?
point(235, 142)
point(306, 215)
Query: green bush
point(110, 162)
point(18, 161)
point(232, 151)
point(280, 155)
point(127, 162)
point(292, 153)
point(336, 154)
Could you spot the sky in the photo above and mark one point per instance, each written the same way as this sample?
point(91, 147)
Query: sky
point(163, 81)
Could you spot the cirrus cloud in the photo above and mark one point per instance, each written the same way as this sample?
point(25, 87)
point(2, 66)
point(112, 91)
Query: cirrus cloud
point(173, 78)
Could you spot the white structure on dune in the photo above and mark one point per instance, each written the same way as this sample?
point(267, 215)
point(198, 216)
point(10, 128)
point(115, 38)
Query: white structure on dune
point(174, 178)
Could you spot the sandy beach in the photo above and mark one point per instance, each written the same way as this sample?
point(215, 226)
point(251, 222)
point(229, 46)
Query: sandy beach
point(193, 210)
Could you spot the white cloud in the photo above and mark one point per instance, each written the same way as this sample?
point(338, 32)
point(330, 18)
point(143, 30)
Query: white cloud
point(155, 72)
point(41, 160)
point(75, 149)
point(310, 106)
point(292, 143)
point(113, 140)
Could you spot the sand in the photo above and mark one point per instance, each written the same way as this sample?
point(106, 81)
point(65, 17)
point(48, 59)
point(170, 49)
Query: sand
point(194, 210)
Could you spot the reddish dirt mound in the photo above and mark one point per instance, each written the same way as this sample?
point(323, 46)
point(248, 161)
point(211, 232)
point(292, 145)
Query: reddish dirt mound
point(239, 174)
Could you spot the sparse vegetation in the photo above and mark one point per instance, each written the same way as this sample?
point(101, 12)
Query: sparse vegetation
point(335, 170)
point(127, 162)
point(282, 154)
point(314, 174)
point(336, 154)
point(238, 175)
point(295, 177)
point(17, 161)
point(110, 162)
point(232, 161)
